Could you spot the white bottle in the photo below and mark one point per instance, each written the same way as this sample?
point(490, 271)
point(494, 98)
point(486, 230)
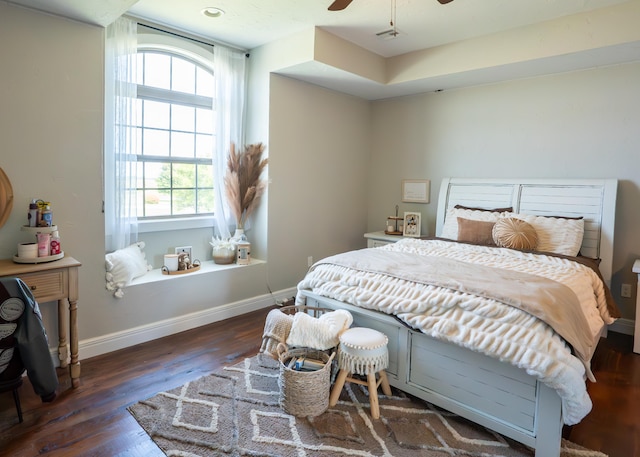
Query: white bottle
point(55, 243)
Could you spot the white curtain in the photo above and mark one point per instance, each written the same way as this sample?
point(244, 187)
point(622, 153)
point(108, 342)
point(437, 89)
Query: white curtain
point(120, 134)
point(229, 106)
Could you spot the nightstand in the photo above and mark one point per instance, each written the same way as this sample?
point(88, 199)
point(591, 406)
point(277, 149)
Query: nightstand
point(636, 333)
point(377, 239)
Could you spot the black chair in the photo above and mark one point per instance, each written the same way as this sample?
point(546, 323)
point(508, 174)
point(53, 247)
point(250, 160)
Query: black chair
point(23, 344)
point(13, 385)
point(11, 375)
point(11, 366)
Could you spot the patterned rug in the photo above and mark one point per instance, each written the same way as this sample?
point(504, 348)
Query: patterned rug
point(236, 412)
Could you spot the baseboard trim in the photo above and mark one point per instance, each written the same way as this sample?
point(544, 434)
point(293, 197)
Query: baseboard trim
point(624, 326)
point(92, 347)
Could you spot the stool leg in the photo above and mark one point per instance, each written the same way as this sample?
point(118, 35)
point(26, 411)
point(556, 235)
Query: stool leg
point(372, 385)
point(384, 383)
point(337, 387)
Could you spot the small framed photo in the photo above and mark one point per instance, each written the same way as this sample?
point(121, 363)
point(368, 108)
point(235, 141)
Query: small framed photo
point(415, 190)
point(411, 226)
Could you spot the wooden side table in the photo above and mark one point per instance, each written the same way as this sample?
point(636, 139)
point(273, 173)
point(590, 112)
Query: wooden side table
point(57, 280)
point(636, 333)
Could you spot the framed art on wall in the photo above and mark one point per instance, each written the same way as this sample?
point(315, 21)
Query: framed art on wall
point(411, 226)
point(415, 190)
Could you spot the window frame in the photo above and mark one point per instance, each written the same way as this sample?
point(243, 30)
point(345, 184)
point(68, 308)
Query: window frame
point(200, 54)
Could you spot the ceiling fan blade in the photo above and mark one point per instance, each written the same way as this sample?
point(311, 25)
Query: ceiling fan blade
point(444, 2)
point(338, 5)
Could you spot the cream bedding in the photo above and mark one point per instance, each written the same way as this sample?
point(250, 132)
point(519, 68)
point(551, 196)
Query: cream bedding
point(482, 324)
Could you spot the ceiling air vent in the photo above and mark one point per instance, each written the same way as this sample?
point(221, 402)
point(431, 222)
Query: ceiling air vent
point(388, 34)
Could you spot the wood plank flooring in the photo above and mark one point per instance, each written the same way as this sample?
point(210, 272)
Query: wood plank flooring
point(92, 419)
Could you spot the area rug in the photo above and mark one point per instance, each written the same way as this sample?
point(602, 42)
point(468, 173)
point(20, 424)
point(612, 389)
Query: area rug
point(235, 412)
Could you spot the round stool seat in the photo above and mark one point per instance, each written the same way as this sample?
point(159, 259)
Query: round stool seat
point(363, 351)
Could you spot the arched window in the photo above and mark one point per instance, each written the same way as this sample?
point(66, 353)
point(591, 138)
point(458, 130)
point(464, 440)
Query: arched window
point(166, 143)
point(175, 129)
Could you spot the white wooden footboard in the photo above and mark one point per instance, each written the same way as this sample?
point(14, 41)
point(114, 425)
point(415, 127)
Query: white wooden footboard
point(484, 390)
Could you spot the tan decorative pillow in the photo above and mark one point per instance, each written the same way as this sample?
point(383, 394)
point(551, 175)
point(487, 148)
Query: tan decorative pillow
point(450, 226)
point(476, 232)
point(514, 233)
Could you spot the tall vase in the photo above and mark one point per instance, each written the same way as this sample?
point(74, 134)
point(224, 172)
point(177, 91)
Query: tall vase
point(239, 235)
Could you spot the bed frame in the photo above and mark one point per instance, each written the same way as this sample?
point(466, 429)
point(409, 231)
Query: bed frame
point(484, 390)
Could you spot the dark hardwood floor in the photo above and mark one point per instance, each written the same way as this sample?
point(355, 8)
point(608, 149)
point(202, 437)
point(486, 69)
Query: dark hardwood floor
point(92, 419)
point(613, 425)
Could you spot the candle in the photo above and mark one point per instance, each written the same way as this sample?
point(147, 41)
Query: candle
point(171, 262)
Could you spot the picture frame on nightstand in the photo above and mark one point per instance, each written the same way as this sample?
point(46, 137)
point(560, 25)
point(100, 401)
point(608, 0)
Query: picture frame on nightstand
point(411, 225)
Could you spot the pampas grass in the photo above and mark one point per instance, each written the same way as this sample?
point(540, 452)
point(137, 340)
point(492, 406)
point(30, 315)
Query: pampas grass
point(243, 185)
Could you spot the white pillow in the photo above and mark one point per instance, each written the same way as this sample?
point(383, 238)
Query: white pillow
point(124, 265)
point(450, 227)
point(319, 333)
point(556, 234)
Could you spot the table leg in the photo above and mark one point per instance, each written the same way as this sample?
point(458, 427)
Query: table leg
point(74, 367)
point(63, 354)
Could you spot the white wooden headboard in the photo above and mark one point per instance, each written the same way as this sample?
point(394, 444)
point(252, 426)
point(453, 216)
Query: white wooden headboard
point(593, 199)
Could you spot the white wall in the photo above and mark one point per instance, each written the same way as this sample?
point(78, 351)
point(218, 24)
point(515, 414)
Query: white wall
point(320, 145)
point(579, 125)
point(51, 137)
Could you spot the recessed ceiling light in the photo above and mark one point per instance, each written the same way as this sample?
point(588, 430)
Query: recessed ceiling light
point(212, 11)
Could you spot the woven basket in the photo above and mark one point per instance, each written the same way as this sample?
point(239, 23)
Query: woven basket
point(268, 348)
point(311, 310)
point(304, 393)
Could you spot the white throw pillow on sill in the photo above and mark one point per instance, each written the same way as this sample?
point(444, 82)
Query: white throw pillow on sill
point(124, 265)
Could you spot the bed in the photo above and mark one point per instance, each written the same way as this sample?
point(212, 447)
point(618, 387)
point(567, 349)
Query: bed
point(448, 355)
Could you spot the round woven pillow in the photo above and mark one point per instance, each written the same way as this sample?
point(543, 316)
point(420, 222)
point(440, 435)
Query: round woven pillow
point(513, 233)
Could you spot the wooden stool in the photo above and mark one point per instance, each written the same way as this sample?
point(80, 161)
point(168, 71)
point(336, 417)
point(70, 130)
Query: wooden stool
point(363, 351)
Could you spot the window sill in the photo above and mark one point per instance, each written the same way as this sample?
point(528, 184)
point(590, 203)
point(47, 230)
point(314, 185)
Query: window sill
point(208, 266)
point(164, 225)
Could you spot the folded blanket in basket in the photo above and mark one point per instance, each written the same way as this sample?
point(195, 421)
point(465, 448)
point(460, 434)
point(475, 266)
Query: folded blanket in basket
point(276, 330)
point(319, 333)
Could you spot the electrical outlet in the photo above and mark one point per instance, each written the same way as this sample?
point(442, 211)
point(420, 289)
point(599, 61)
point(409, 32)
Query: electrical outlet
point(625, 291)
point(185, 249)
point(309, 260)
